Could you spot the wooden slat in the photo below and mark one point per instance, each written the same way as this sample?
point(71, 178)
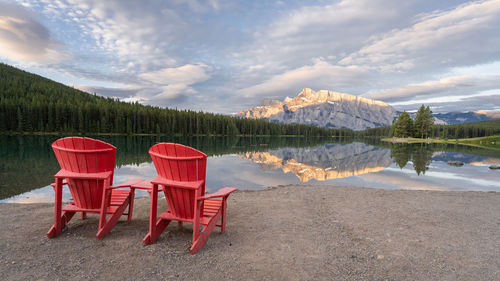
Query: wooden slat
point(86, 151)
point(164, 168)
point(180, 151)
point(180, 202)
point(68, 143)
point(185, 158)
point(192, 168)
point(101, 159)
point(174, 169)
point(208, 207)
point(202, 167)
point(188, 203)
point(178, 184)
point(190, 171)
point(74, 193)
point(77, 187)
point(91, 201)
point(170, 200)
point(66, 161)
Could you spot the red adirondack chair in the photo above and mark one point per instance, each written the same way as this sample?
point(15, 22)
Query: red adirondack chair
point(181, 174)
point(87, 167)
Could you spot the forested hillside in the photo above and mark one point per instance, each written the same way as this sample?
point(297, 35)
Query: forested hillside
point(31, 103)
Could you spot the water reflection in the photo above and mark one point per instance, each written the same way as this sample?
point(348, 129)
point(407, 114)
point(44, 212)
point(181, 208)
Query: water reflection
point(419, 154)
point(324, 162)
point(28, 164)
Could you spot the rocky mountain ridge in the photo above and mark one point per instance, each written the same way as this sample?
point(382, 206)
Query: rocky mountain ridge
point(325, 109)
point(465, 117)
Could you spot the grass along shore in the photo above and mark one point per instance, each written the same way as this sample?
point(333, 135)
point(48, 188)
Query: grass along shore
point(491, 142)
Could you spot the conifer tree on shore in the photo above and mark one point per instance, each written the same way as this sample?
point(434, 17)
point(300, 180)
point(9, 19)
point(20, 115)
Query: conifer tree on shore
point(403, 126)
point(423, 122)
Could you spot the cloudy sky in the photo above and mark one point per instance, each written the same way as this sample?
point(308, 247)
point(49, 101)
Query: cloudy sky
point(225, 56)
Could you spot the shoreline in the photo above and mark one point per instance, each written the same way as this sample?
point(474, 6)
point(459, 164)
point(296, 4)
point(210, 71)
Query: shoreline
point(282, 233)
point(64, 134)
point(490, 142)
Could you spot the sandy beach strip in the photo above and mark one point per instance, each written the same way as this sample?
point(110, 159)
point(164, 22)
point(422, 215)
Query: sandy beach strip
point(284, 233)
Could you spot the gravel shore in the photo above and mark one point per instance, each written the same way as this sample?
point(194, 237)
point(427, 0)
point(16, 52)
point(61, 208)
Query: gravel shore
point(284, 233)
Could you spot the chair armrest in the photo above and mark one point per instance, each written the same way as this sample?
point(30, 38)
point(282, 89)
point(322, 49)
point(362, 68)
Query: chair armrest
point(223, 192)
point(129, 183)
point(65, 182)
point(83, 176)
point(179, 184)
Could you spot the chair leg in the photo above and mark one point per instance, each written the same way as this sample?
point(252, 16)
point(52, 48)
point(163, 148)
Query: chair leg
point(106, 194)
point(57, 227)
point(131, 204)
point(64, 219)
point(151, 237)
point(204, 234)
point(161, 224)
point(223, 217)
point(113, 219)
point(83, 215)
point(196, 222)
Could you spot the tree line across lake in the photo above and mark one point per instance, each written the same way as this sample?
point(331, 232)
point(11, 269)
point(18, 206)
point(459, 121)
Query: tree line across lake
point(31, 103)
point(456, 131)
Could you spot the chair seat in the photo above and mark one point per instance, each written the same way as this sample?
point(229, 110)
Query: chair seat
point(211, 207)
point(118, 197)
point(210, 210)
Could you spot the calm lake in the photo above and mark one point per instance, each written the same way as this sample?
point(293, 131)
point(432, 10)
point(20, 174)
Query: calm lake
point(27, 164)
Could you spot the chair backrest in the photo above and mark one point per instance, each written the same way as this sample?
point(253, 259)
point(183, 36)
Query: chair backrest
point(181, 163)
point(85, 155)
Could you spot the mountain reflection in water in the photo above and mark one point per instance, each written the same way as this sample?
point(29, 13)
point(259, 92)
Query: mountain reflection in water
point(324, 162)
point(28, 165)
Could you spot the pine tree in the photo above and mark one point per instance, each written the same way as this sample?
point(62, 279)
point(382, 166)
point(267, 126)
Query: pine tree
point(423, 122)
point(20, 123)
point(403, 126)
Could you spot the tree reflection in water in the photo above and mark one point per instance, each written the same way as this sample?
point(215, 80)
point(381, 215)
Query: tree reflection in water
point(419, 154)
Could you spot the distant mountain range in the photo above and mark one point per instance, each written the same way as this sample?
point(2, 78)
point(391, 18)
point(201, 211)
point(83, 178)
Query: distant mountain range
point(464, 117)
point(325, 109)
point(339, 110)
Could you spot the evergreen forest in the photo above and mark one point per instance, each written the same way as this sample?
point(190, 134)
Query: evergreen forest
point(30, 103)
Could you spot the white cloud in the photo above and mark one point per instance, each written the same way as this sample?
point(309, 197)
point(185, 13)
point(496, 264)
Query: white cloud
point(465, 34)
point(483, 101)
point(320, 75)
point(294, 37)
point(176, 81)
point(225, 55)
point(187, 74)
point(453, 85)
point(24, 39)
point(160, 87)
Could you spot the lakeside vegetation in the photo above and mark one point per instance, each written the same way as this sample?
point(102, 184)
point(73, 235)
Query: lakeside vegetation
point(422, 129)
point(456, 131)
point(30, 103)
